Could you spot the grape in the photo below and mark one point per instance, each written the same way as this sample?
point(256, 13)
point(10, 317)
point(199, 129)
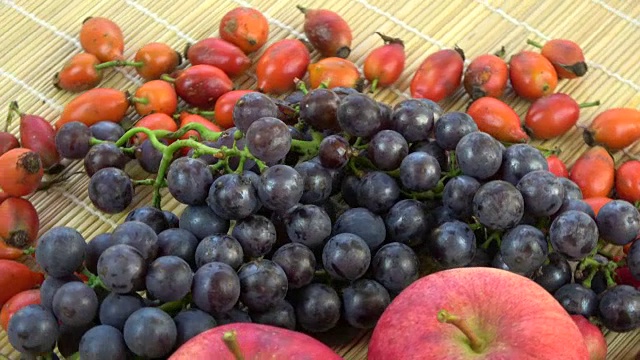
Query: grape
point(524, 248)
point(115, 309)
point(139, 235)
point(192, 322)
point(480, 259)
point(317, 308)
point(201, 221)
point(281, 315)
point(385, 115)
point(180, 243)
point(498, 205)
point(69, 338)
point(172, 219)
point(234, 315)
point(33, 330)
point(432, 148)
point(294, 98)
point(103, 342)
point(263, 284)
point(251, 107)
point(408, 222)
point(219, 248)
point(359, 115)
point(150, 332)
point(168, 278)
point(479, 155)
point(334, 152)
point(452, 244)
point(151, 216)
point(216, 287)
point(377, 192)
point(61, 251)
point(94, 249)
point(574, 204)
point(287, 113)
point(364, 302)
point(573, 234)
point(318, 108)
point(453, 126)
point(458, 195)
point(519, 160)
point(571, 189)
point(619, 308)
point(208, 159)
point(308, 224)
point(395, 266)
point(633, 259)
point(362, 222)
point(189, 181)
point(104, 155)
point(122, 269)
point(75, 304)
point(228, 139)
point(554, 274)
point(72, 140)
point(268, 139)
point(110, 190)
point(49, 287)
point(298, 263)
point(349, 190)
point(256, 234)
point(106, 131)
point(618, 222)
point(542, 192)
point(443, 214)
point(577, 299)
point(419, 171)
point(317, 182)
point(346, 257)
point(149, 157)
point(233, 197)
point(498, 263)
point(387, 149)
point(280, 187)
point(413, 119)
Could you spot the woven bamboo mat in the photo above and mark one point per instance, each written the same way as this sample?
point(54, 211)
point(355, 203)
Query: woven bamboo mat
point(37, 37)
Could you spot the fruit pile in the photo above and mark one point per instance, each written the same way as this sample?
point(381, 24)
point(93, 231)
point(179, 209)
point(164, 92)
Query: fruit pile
point(309, 205)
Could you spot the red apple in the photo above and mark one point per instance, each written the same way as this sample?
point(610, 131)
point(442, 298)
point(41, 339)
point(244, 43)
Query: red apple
point(593, 337)
point(476, 313)
point(253, 341)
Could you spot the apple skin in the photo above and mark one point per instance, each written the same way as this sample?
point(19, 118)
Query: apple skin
point(516, 317)
point(256, 341)
point(596, 343)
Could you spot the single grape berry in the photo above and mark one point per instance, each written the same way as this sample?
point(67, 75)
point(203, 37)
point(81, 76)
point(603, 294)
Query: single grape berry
point(364, 302)
point(317, 308)
point(519, 160)
point(122, 269)
point(458, 195)
point(408, 222)
point(577, 299)
point(298, 263)
point(395, 266)
point(573, 234)
point(150, 332)
point(139, 235)
point(110, 190)
point(251, 107)
point(61, 251)
point(318, 182)
point(618, 222)
point(189, 181)
point(33, 330)
point(358, 115)
point(479, 155)
point(104, 155)
point(543, 193)
point(152, 216)
point(453, 126)
point(386, 149)
point(219, 248)
point(216, 288)
point(268, 139)
point(168, 278)
point(524, 248)
point(619, 308)
point(263, 284)
point(413, 119)
point(420, 171)
point(554, 274)
point(362, 222)
point(346, 257)
point(256, 234)
point(75, 304)
point(498, 205)
point(319, 108)
point(452, 244)
point(334, 152)
point(103, 342)
point(233, 196)
point(72, 140)
point(307, 224)
point(280, 187)
point(377, 191)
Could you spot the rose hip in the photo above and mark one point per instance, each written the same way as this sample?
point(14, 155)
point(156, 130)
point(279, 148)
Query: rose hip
point(155, 96)
point(439, 75)
point(532, 75)
point(103, 38)
point(553, 115)
point(384, 65)
point(594, 172)
point(334, 72)
point(565, 55)
point(246, 28)
point(21, 172)
point(79, 73)
point(327, 32)
point(219, 53)
point(37, 134)
point(202, 85)
point(280, 64)
point(614, 128)
point(497, 119)
point(95, 105)
point(486, 75)
point(19, 223)
point(156, 59)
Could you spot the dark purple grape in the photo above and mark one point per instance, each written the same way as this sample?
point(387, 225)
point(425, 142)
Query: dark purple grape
point(189, 181)
point(362, 222)
point(72, 140)
point(349, 190)
point(433, 106)
point(294, 98)
point(408, 222)
point(228, 139)
point(208, 159)
point(498, 205)
point(234, 315)
point(364, 302)
point(139, 235)
point(395, 266)
point(150, 333)
point(75, 304)
point(542, 192)
point(115, 309)
point(317, 308)
point(216, 288)
point(578, 205)
point(432, 148)
point(481, 258)
point(317, 182)
point(386, 149)
point(619, 308)
point(103, 342)
point(452, 244)
point(554, 274)
point(95, 248)
point(342, 91)
point(33, 330)
point(251, 107)
point(618, 222)
point(61, 251)
point(151, 216)
point(524, 248)
point(577, 299)
point(281, 315)
point(479, 155)
point(172, 219)
point(413, 119)
point(298, 263)
point(122, 269)
point(49, 287)
point(106, 131)
point(280, 187)
point(419, 172)
point(110, 190)
point(69, 338)
point(633, 260)
point(346, 257)
point(180, 243)
point(287, 113)
point(571, 189)
point(190, 323)
point(453, 126)
point(201, 221)
point(458, 195)
point(358, 115)
point(168, 278)
point(263, 284)
point(268, 139)
point(377, 192)
point(573, 234)
point(318, 109)
point(385, 115)
point(104, 155)
point(442, 214)
point(221, 248)
point(308, 224)
point(256, 234)
point(519, 160)
point(334, 152)
point(148, 156)
point(233, 197)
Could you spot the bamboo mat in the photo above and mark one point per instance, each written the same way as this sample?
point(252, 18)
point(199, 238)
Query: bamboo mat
point(37, 37)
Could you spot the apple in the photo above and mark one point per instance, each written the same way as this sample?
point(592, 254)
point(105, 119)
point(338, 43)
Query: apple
point(593, 337)
point(239, 341)
point(476, 313)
